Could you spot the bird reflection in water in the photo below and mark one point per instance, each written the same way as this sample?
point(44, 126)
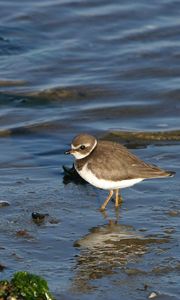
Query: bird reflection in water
point(106, 250)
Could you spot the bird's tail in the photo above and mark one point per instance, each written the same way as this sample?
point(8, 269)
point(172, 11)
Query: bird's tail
point(170, 173)
point(156, 172)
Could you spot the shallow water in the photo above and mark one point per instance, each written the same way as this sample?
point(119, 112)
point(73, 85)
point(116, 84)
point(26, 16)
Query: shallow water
point(111, 69)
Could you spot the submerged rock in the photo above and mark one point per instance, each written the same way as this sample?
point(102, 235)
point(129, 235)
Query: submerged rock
point(23, 233)
point(4, 203)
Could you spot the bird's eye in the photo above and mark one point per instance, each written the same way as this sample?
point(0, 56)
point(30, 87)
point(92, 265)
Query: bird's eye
point(82, 147)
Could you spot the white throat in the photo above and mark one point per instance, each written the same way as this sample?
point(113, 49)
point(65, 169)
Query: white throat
point(79, 155)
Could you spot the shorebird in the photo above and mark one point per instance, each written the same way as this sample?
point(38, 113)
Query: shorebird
point(110, 166)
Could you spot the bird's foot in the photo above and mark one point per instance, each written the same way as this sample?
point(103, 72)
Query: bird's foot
point(120, 200)
point(102, 208)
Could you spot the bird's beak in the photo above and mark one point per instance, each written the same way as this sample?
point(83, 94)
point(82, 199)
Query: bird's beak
point(68, 151)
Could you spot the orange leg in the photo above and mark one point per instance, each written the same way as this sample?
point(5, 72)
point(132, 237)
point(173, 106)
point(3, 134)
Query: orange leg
point(118, 199)
point(107, 200)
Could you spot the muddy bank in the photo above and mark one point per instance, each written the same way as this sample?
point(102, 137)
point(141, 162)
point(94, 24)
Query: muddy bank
point(57, 94)
point(138, 139)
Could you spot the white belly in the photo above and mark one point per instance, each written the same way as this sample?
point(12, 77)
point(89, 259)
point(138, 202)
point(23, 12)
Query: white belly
point(87, 175)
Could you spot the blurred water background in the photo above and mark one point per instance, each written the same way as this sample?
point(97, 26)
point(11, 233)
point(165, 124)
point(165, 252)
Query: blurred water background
point(110, 68)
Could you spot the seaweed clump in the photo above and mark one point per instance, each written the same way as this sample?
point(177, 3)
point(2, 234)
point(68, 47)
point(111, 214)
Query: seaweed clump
point(25, 286)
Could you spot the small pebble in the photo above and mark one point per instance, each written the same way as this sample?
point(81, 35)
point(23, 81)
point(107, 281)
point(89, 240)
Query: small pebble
point(23, 233)
point(54, 221)
point(152, 295)
point(174, 213)
point(2, 267)
point(169, 230)
point(39, 218)
point(4, 204)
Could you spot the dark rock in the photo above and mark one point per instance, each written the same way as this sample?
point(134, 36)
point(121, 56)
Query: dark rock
point(4, 203)
point(71, 175)
point(39, 218)
point(2, 267)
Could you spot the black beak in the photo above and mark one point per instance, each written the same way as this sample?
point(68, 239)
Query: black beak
point(67, 152)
